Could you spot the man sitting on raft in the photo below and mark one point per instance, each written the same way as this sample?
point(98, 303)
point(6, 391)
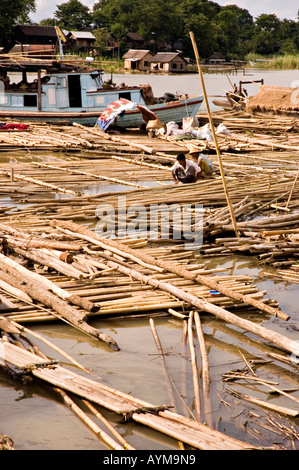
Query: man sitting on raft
point(185, 171)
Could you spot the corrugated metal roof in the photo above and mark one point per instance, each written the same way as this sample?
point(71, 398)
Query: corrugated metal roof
point(82, 35)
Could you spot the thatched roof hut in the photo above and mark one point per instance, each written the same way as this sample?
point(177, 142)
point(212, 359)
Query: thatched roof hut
point(276, 100)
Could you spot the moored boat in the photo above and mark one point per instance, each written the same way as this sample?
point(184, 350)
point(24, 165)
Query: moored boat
point(62, 92)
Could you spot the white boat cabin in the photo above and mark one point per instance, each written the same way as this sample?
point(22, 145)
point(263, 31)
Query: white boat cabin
point(63, 91)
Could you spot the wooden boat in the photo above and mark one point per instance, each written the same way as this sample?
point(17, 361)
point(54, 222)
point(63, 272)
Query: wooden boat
point(238, 99)
point(231, 102)
point(67, 93)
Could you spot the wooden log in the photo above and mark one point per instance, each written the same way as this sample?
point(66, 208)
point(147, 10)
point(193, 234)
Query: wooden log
point(44, 259)
point(60, 308)
point(18, 293)
point(62, 293)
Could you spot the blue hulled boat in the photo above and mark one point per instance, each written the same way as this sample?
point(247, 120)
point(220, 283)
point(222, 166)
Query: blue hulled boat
point(65, 93)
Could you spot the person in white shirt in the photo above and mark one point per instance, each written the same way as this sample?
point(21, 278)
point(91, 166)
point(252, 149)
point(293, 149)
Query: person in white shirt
point(185, 171)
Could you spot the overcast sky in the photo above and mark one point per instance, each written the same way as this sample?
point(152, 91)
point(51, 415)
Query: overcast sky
point(283, 9)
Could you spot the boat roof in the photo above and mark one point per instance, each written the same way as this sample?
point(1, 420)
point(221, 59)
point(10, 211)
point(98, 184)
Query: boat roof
point(18, 63)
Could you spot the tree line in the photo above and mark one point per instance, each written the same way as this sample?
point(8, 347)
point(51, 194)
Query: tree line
point(165, 25)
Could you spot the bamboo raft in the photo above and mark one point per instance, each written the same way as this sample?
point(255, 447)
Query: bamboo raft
point(54, 267)
point(159, 417)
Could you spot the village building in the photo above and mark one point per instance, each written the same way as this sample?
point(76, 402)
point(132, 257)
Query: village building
point(168, 62)
point(217, 58)
point(40, 50)
point(31, 34)
point(80, 40)
point(133, 40)
point(136, 59)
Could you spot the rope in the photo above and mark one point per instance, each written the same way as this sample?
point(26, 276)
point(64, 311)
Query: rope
point(128, 415)
point(30, 367)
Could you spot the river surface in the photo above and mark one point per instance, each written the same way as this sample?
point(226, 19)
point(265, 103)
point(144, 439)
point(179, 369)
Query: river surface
point(35, 417)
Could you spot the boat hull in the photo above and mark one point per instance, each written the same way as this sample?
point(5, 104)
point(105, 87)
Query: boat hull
point(172, 111)
point(165, 112)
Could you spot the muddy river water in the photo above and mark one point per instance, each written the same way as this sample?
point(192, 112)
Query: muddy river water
point(36, 419)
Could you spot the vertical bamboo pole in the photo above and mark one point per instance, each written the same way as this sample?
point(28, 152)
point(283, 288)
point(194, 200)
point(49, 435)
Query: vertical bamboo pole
point(194, 368)
point(214, 135)
point(168, 381)
point(159, 347)
point(39, 91)
point(205, 370)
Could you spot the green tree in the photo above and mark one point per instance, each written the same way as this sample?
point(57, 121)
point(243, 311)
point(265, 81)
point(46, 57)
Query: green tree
point(235, 28)
point(199, 16)
point(101, 35)
point(266, 34)
point(288, 36)
point(10, 13)
point(48, 22)
point(153, 20)
point(73, 15)
point(263, 42)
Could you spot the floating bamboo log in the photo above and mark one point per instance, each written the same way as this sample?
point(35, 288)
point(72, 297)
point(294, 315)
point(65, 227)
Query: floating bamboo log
point(60, 308)
point(40, 183)
point(172, 424)
point(172, 267)
point(270, 406)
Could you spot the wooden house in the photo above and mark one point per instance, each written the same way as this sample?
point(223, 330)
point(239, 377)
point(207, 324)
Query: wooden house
point(136, 59)
point(31, 34)
point(216, 58)
point(168, 62)
point(80, 40)
point(40, 50)
point(133, 40)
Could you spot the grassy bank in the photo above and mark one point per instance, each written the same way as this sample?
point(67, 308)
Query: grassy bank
point(283, 62)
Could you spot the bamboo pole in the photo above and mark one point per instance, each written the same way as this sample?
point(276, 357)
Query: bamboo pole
point(169, 266)
point(278, 339)
point(49, 343)
point(205, 370)
point(168, 379)
point(194, 368)
point(78, 172)
point(99, 415)
point(257, 401)
point(160, 350)
point(214, 135)
point(88, 421)
point(39, 183)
